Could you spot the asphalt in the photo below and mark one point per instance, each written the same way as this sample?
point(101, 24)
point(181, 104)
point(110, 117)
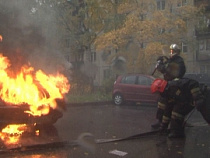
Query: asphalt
point(77, 135)
point(107, 121)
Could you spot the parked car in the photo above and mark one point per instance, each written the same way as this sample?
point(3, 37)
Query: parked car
point(201, 78)
point(133, 88)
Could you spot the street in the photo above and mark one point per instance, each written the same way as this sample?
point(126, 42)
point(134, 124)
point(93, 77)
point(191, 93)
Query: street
point(73, 135)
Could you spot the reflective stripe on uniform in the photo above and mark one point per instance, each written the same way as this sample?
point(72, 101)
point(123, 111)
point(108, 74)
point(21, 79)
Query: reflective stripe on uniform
point(194, 90)
point(176, 79)
point(165, 119)
point(161, 106)
point(171, 100)
point(178, 92)
point(176, 115)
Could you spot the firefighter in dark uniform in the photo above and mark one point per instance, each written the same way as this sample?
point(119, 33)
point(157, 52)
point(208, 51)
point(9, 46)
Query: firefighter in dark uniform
point(178, 95)
point(185, 95)
point(173, 69)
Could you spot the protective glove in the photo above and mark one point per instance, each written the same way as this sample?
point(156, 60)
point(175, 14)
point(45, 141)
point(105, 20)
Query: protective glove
point(160, 66)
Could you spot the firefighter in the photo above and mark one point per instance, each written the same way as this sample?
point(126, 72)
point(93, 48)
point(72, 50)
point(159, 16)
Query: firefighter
point(186, 95)
point(172, 68)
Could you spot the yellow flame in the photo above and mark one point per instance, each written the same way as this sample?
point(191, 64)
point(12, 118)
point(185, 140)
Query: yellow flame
point(36, 89)
point(11, 133)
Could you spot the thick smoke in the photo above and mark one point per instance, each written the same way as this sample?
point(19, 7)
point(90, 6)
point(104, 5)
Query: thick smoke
point(30, 35)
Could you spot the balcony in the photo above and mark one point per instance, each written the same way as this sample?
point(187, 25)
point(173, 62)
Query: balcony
point(202, 56)
point(202, 32)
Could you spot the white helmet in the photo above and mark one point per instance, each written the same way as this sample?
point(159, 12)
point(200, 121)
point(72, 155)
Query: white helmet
point(175, 50)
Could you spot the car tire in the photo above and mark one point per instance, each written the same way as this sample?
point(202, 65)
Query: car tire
point(118, 99)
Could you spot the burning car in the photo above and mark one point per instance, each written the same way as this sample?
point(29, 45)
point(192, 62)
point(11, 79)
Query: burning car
point(30, 96)
point(11, 114)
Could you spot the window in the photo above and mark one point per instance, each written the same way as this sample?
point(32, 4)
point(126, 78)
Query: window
point(160, 4)
point(129, 80)
point(142, 80)
point(207, 44)
point(201, 45)
point(205, 69)
point(204, 44)
point(161, 31)
point(181, 3)
point(142, 17)
point(143, 45)
point(202, 69)
point(93, 56)
point(184, 47)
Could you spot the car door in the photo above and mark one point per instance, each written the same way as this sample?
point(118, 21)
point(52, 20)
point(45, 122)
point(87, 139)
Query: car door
point(143, 89)
point(128, 86)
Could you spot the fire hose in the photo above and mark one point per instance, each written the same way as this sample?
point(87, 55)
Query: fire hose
point(80, 141)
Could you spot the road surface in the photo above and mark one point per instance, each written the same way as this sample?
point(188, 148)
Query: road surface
point(74, 135)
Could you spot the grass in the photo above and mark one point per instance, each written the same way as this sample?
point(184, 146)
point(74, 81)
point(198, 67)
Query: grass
point(88, 97)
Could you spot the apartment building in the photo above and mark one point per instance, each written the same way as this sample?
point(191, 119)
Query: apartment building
point(195, 46)
point(202, 33)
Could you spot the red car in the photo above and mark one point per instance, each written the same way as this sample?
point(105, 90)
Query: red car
point(133, 88)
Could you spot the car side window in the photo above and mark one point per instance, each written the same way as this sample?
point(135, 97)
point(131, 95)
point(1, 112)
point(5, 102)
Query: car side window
point(142, 80)
point(129, 79)
point(150, 81)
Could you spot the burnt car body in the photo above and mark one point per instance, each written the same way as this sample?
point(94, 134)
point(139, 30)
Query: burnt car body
point(11, 114)
point(134, 88)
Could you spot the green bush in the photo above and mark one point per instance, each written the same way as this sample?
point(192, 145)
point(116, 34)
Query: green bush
point(107, 85)
point(88, 97)
point(86, 93)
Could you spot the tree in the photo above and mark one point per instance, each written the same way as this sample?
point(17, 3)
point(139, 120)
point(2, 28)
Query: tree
point(150, 29)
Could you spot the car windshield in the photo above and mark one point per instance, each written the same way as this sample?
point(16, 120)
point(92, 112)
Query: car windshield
point(78, 78)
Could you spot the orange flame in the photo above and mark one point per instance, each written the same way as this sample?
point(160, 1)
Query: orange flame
point(1, 38)
point(36, 89)
point(11, 133)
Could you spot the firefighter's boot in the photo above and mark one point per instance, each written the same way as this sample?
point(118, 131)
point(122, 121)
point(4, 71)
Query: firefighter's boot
point(156, 125)
point(163, 129)
point(159, 115)
point(176, 129)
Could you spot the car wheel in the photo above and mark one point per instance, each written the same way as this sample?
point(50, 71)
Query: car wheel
point(118, 99)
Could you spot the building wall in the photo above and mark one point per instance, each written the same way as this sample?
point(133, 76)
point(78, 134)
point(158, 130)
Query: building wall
point(196, 60)
point(202, 33)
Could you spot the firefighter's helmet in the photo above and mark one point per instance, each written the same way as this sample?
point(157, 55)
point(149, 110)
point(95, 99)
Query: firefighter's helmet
point(158, 85)
point(175, 50)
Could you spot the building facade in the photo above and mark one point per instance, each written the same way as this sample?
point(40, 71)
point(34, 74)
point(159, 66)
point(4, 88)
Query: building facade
point(202, 33)
point(195, 46)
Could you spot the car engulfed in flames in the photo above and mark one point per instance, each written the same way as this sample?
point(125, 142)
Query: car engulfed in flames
point(30, 96)
point(30, 101)
point(11, 114)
